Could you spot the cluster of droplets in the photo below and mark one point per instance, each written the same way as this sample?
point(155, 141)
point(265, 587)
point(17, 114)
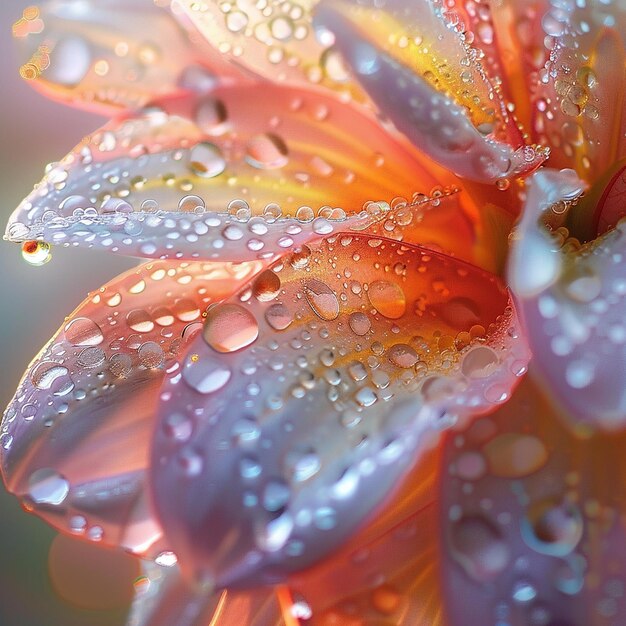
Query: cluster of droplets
point(375, 344)
point(564, 75)
point(121, 191)
point(121, 338)
point(519, 520)
point(276, 37)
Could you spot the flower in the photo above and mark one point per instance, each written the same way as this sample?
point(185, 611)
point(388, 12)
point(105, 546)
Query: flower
point(306, 400)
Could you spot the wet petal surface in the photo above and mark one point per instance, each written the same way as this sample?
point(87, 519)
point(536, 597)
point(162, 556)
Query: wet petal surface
point(427, 98)
point(75, 439)
point(273, 40)
point(569, 57)
point(572, 299)
point(531, 520)
point(96, 57)
point(237, 175)
point(311, 392)
point(388, 572)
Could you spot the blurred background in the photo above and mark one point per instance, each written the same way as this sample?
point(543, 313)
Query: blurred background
point(40, 574)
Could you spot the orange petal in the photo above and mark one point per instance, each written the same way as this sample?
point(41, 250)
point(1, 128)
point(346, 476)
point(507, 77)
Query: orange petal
point(449, 113)
point(389, 570)
point(163, 598)
point(570, 58)
point(313, 391)
point(75, 438)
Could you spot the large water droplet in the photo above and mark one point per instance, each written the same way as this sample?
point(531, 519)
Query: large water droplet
point(47, 486)
point(514, 455)
point(278, 316)
point(266, 152)
point(46, 373)
point(479, 548)
point(266, 286)
point(387, 298)
point(553, 528)
point(83, 331)
point(230, 327)
point(69, 62)
point(206, 160)
point(322, 299)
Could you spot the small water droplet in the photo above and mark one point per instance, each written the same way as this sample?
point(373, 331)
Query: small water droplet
point(36, 253)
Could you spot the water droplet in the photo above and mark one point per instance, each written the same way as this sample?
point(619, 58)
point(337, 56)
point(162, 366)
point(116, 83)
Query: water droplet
point(387, 298)
point(266, 286)
point(515, 455)
point(303, 465)
point(479, 548)
point(230, 327)
point(211, 116)
point(206, 160)
point(140, 321)
point(47, 486)
point(83, 331)
point(553, 528)
point(91, 357)
point(46, 373)
point(266, 152)
point(121, 365)
point(276, 495)
point(321, 299)
point(300, 258)
point(151, 355)
point(278, 316)
point(479, 362)
point(166, 559)
point(70, 61)
point(36, 253)
point(402, 355)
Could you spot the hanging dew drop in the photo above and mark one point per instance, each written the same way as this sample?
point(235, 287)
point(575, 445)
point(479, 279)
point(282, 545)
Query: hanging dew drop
point(36, 253)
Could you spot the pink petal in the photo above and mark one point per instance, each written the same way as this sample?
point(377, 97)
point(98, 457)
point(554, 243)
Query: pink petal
point(199, 177)
point(75, 437)
point(571, 297)
point(99, 58)
point(311, 393)
point(531, 520)
point(274, 41)
point(430, 110)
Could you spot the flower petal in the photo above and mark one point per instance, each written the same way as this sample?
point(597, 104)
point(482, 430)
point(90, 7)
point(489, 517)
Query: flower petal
point(75, 437)
point(569, 56)
point(96, 57)
point(311, 392)
point(389, 570)
point(163, 598)
point(427, 100)
point(531, 520)
point(572, 299)
point(276, 41)
point(161, 183)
